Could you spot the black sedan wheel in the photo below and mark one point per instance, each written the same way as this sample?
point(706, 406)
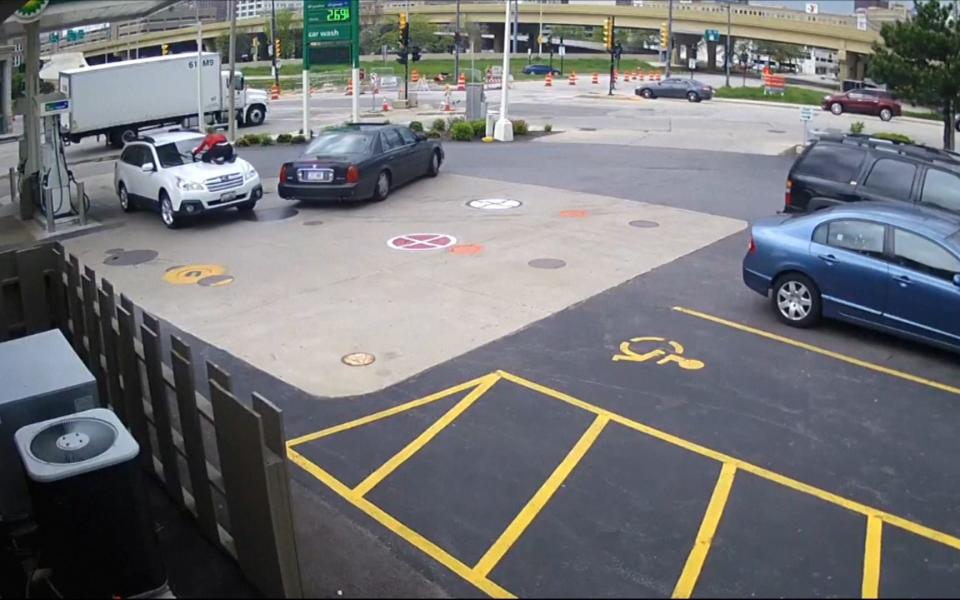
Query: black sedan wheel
point(646, 93)
point(796, 300)
point(382, 189)
point(693, 97)
point(434, 169)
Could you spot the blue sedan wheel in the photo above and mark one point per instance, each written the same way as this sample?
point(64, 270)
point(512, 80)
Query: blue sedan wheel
point(796, 300)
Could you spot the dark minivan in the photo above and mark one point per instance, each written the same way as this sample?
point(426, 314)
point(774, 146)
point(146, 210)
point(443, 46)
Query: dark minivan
point(851, 168)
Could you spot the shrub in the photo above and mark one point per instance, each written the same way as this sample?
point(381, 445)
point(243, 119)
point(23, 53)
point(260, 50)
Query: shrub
point(461, 131)
point(416, 125)
point(251, 139)
point(434, 134)
point(266, 140)
point(299, 139)
point(479, 127)
point(857, 127)
point(547, 128)
point(894, 137)
point(439, 125)
point(520, 127)
point(242, 142)
point(284, 138)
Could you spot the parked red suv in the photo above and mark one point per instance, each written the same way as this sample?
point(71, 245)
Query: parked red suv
point(865, 101)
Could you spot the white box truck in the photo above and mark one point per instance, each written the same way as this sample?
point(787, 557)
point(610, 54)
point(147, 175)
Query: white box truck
point(119, 99)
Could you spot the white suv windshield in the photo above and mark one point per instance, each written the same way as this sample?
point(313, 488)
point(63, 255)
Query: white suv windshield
point(175, 154)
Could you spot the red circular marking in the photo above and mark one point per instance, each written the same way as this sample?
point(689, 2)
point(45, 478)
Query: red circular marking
point(575, 214)
point(466, 249)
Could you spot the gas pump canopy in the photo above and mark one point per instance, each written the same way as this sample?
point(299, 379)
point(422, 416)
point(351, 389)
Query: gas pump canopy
point(55, 15)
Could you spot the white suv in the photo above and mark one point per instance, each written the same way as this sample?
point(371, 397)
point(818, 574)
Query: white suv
point(160, 171)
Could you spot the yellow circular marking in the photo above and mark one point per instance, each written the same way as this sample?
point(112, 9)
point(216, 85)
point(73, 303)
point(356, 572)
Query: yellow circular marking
point(358, 359)
point(191, 274)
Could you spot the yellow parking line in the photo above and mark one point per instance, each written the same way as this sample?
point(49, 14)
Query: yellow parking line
point(415, 539)
point(708, 529)
point(818, 350)
point(529, 512)
point(383, 414)
point(424, 438)
point(871, 559)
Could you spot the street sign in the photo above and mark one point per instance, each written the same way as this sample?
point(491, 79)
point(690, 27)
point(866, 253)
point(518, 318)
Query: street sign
point(563, 50)
point(328, 21)
point(692, 64)
point(806, 113)
point(711, 35)
point(811, 8)
point(862, 21)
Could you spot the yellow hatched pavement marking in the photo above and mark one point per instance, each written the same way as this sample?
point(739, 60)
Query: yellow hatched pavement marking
point(708, 528)
point(822, 351)
point(424, 438)
point(540, 499)
point(871, 559)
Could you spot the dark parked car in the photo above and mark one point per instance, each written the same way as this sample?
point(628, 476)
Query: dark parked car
point(676, 87)
point(539, 70)
point(359, 162)
point(887, 266)
point(839, 169)
point(864, 101)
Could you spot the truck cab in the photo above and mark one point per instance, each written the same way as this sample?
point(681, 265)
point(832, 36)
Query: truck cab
point(251, 104)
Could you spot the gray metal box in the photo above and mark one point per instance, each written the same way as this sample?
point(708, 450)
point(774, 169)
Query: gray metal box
point(41, 378)
point(476, 102)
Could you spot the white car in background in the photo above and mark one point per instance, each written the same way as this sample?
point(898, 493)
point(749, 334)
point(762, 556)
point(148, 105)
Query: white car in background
point(160, 172)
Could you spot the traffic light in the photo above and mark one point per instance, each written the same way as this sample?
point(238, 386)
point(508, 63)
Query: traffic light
point(404, 30)
point(165, 49)
point(276, 45)
point(415, 54)
point(608, 33)
point(664, 36)
point(402, 56)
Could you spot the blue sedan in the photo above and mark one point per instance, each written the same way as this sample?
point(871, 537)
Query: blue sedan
point(539, 70)
point(889, 267)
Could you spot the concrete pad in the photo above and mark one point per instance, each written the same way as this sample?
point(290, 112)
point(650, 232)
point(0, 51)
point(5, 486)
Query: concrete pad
point(303, 297)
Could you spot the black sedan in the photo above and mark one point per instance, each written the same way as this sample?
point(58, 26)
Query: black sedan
point(676, 87)
point(539, 70)
point(359, 162)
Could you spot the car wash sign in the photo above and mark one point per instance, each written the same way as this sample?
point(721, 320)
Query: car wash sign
point(328, 20)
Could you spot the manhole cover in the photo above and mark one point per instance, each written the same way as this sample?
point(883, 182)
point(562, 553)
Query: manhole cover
point(644, 224)
point(215, 280)
point(271, 214)
point(547, 263)
point(494, 203)
point(358, 359)
point(125, 258)
point(421, 241)
point(312, 223)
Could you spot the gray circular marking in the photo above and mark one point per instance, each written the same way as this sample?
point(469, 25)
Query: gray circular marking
point(312, 223)
point(547, 263)
point(644, 224)
point(272, 214)
point(494, 203)
point(215, 280)
point(358, 359)
point(126, 258)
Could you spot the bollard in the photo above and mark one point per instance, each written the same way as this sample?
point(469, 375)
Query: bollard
point(13, 185)
point(83, 204)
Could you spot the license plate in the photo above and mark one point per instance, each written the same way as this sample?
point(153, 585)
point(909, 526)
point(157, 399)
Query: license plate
point(314, 175)
point(228, 196)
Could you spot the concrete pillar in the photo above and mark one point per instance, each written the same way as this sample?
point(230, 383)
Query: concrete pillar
point(31, 123)
point(676, 60)
point(711, 56)
point(498, 40)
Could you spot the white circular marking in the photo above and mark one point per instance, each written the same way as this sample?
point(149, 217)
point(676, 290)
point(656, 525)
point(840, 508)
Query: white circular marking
point(494, 203)
point(421, 241)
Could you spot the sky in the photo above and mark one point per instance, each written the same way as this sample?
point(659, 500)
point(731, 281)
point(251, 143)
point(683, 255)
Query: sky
point(844, 7)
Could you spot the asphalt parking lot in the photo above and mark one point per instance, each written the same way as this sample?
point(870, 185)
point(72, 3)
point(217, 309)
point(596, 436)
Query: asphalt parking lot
point(635, 423)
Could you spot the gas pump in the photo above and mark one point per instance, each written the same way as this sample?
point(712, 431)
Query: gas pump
point(54, 176)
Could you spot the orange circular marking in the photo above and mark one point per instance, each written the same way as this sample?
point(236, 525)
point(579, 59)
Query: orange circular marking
point(575, 214)
point(467, 249)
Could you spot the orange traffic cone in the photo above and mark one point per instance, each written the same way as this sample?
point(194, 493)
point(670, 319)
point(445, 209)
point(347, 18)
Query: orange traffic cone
point(447, 106)
point(596, 78)
point(461, 83)
point(349, 87)
point(386, 105)
point(573, 78)
point(274, 92)
point(549, 81)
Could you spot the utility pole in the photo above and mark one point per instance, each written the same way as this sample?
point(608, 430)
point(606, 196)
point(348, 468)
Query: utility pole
point(200, 71)
point(540, 32)
point(669, 60)
point(726, 52)
point(232, 7)
point(456, 46)
point(516, 26)
point(274, 63)
point(503, 130)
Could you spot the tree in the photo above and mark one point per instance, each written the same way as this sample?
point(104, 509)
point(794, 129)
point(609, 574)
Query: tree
point(919, 60)
point(222, 43)
point(782, 53)
point(283, 31)
point(423, 34)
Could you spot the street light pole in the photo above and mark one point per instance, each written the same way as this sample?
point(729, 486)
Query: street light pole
point(232, 102)
point(503, 130)
point(669, 60)
point(540, 32)
point(726, 52)
point(456, 46)
point(273, 44)
point(200, 71)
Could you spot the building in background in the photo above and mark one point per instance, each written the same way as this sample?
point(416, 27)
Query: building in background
point(865, 4)
point(248, 9)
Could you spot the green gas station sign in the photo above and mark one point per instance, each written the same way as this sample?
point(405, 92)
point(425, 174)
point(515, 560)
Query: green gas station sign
point(331, 22)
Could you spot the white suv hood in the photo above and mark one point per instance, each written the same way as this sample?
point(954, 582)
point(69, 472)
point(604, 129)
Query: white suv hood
point(199, 172)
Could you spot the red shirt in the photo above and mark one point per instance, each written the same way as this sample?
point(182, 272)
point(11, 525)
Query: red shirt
point(210, 141)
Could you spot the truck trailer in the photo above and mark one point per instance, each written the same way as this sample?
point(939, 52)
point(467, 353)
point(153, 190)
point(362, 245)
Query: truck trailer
point(120, 99)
